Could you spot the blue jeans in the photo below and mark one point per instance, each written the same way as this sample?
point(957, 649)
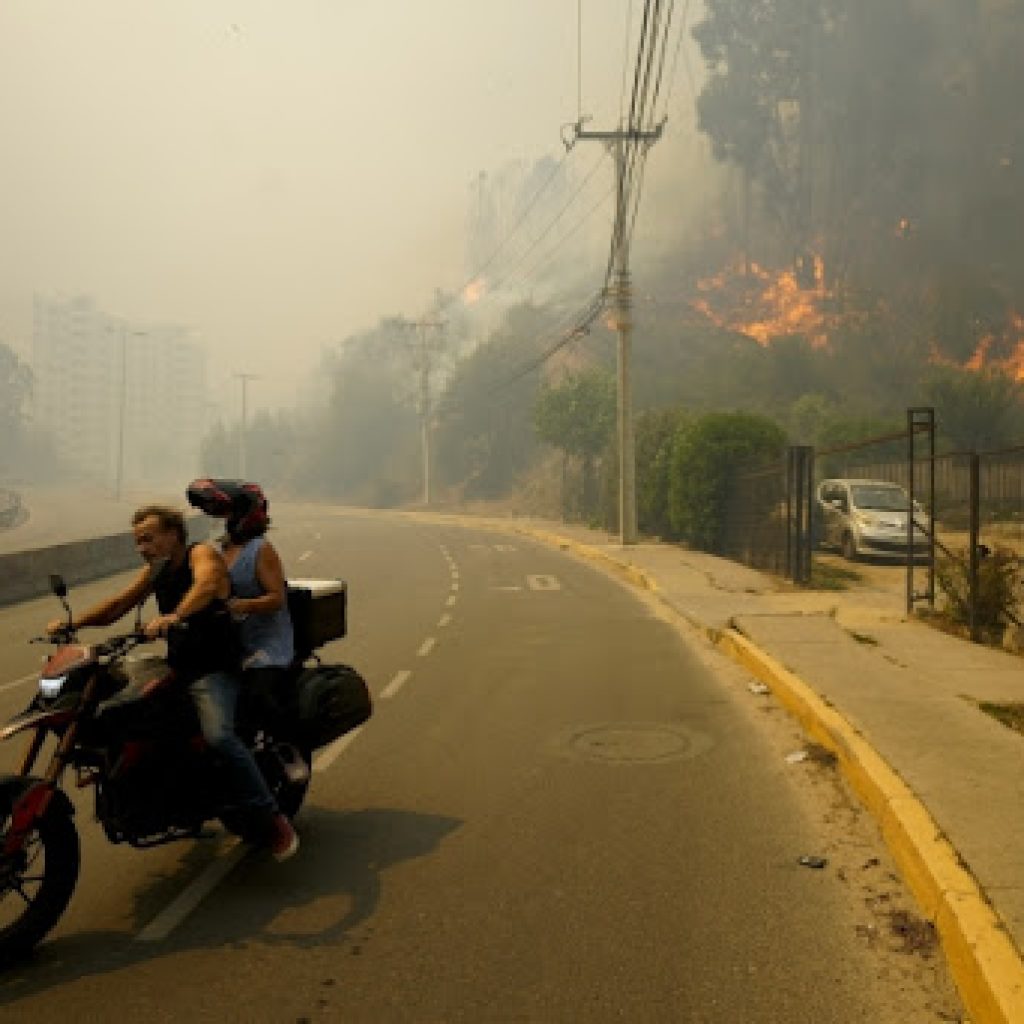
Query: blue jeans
point(215, 696)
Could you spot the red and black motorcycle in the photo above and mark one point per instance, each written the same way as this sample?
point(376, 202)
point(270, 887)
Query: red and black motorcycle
point(124, 727)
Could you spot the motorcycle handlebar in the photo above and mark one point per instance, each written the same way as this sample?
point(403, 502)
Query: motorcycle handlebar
point(136, 636)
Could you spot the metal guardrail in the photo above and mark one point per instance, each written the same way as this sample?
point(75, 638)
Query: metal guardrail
point(25, 574)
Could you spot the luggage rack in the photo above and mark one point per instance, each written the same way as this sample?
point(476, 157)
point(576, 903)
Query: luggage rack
point(318, 610)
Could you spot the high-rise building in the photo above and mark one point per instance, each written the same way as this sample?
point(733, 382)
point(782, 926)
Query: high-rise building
point(125, 403)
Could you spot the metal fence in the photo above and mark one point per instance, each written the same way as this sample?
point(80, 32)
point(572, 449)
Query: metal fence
point(767, 520)
point(964, 542)
point(973, 511)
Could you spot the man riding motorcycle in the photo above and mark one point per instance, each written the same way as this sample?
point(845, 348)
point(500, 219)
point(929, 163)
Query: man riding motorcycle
point(191, 586)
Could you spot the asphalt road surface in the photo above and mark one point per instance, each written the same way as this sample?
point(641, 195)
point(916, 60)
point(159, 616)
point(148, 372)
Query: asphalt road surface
point(559, 812)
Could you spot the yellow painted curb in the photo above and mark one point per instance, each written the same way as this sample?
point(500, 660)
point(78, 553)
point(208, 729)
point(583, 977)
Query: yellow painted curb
point(981, 956)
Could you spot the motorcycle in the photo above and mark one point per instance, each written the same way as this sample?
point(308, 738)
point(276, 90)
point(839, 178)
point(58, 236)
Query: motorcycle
point(125, 729)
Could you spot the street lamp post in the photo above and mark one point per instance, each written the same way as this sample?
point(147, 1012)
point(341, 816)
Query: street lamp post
point(244, 378)
point(119, 475)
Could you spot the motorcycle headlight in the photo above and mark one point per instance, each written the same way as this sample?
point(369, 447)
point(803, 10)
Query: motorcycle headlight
point(50, 688)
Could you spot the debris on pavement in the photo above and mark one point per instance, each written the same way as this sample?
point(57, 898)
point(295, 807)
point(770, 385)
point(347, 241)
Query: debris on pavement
point(915, 933)
point(809, 861)
point(759, 689)
point(796, 757)
point(822, 755)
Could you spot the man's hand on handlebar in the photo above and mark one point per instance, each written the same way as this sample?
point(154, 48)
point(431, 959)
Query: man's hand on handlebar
point(161, 625)
point(58, 627)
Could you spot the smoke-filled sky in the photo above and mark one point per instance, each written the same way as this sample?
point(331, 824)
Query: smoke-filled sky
point(276, 175)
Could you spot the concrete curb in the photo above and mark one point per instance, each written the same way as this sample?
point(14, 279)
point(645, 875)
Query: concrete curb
point(985, 963)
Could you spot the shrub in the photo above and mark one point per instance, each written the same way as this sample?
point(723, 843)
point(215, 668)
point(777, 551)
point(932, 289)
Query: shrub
point(999, 575)
point(705, 458)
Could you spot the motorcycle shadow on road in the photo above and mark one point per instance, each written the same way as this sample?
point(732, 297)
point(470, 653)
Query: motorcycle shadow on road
point(320, 897)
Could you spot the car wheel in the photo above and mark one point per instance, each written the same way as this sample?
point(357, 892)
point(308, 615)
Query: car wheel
point(850, 552)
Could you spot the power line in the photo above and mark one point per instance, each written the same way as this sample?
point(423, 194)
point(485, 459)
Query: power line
point(675, 58)
point(642, 158)
point(631, 143)
point(661, 58)
point(513, 230)
point(509, 272)
point(625, 60)
point(549, 256)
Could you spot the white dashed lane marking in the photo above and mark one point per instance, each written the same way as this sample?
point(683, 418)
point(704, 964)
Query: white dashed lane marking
point(427, 646)
point(400, 679)
point(19, 682)
point(330, 754)
point(542, 582)
point(451, 601)
point(192, 895)
point(444, 620)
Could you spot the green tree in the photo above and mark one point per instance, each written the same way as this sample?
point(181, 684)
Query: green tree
point(656, 431)
point(484, 441)
point(706, 457)
point(975, 410)
point(577, 416)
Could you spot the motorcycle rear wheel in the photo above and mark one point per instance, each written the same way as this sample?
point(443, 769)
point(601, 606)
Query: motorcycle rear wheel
point(36, 884)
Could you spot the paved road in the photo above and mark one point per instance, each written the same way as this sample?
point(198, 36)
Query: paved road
point(557, 813)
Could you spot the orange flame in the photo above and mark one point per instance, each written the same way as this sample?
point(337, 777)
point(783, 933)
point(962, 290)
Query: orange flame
point(1002, 352)
point(765, 306)
point(474, 291)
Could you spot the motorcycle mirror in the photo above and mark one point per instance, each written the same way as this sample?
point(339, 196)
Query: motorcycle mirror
point(58, 586)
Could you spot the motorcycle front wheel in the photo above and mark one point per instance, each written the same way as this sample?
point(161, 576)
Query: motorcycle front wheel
point(37, 882)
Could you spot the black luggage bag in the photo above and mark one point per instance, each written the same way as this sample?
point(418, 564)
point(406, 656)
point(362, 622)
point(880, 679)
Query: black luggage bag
point(331, 700)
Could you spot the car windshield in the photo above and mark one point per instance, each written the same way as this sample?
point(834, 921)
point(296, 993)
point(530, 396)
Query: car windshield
point(888, 499)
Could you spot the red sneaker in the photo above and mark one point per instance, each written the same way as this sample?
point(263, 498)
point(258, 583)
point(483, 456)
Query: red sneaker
point(284, 840)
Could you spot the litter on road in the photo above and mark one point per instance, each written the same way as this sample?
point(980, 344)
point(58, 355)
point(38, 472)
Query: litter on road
point(813, 862)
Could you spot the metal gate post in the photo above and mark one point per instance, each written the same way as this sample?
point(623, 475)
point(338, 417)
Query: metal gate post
point(975, 530)
point(920, 420)
point(808, 545)
point(910, 511)
point(789, 513)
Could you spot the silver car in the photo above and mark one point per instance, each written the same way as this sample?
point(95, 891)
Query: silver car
point(867, 518)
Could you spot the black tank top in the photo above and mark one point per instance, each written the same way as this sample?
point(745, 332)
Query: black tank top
point(210, 643)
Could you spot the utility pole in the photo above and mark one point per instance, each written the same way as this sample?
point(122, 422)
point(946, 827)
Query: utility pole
point(424, 364)
point(616, 143)
point(244, 378)
point(119, 476)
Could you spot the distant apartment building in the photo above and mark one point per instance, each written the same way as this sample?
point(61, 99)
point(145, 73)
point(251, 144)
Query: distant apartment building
point(99, 378)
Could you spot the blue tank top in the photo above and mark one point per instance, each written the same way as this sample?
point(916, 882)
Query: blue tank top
point(267, 639)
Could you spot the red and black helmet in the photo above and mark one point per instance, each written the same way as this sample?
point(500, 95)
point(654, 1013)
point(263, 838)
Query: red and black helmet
point(243, 505)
